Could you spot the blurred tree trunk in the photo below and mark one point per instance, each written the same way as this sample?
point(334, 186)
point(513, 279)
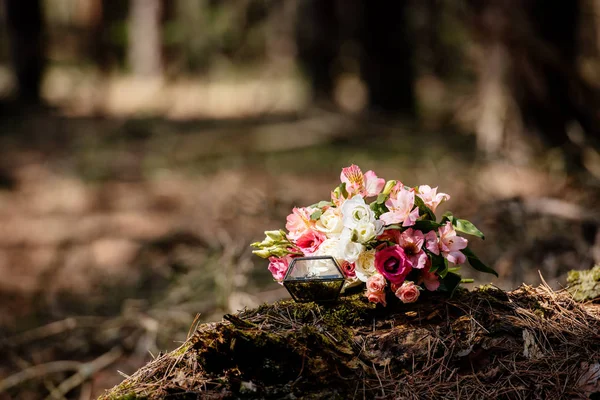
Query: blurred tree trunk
point(145, 56)
point(334, 36)
point(25, 29)
point(317, 44)
point(386, 62)
point(533, 48)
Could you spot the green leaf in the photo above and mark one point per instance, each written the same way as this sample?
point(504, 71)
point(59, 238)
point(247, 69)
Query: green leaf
point(449, 283)
point(447, 216)
point(321, 204)
point(464, 226)
point(394, 226)
point(439, 264)
point(382, 198)
point(426, 225)
point(378, 209)
point(476, 263)
point(423, 209)
point(316, 215)
point(343, 190)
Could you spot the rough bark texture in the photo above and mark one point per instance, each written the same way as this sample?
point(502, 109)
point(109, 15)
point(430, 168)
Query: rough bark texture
point(528, 343)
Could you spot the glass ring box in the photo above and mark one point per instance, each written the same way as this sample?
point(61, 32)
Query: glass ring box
point(317, 278)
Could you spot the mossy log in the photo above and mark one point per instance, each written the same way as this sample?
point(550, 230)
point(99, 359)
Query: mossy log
point(585, 285)
point(485, 343)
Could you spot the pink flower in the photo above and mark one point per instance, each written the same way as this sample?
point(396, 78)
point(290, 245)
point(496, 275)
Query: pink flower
point(298, 222)
point(376, 297)
point(450, 244)
point(376, 283)
point(431, 243)
point(400, 209)
point(310, 241)
point(279, 266)
point(348, 269)
point(411, 242)
point(408, 292)
point(393, 263)
point(430, 279)
point(366, 185)
point(430, 197)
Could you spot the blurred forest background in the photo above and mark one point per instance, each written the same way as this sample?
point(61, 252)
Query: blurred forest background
point(145, 143)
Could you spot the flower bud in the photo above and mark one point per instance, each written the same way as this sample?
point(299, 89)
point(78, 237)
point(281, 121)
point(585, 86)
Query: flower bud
point(387, 189)
point(262, 253)
point(274, 235)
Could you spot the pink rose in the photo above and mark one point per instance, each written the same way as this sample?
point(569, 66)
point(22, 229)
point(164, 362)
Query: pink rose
point(393, 263)
point(376, 297)
point(279, 267)
point(310, 241)
point(376, 283)
point(408, 292)
point(348, 269)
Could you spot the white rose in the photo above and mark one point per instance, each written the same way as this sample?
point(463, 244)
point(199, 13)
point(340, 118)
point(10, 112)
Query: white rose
point(356, 210)
point(365, 265)
point(347, 249)
point(366, 231)
point(330, 223)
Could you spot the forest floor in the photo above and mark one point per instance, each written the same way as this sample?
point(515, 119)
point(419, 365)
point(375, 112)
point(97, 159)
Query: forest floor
point(115, 233)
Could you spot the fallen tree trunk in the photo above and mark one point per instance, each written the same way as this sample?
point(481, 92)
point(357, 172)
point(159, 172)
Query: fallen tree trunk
point(485, 343)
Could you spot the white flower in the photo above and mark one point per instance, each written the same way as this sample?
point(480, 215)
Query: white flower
point(329, 247)
point(367, 231)
point(330, 223)
point(365, 265)
point(347, 249)
point(356, 210)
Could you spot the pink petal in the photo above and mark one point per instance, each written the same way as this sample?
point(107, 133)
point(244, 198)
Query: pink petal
point(373, 185)
point(390, 218)
point(411, 218)
point(455, 257)
point(419, 260)
point(432, 284)
point(431, 242)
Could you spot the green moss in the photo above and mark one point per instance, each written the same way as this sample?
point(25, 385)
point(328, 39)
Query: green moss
point(181, 350)
point(584, 285)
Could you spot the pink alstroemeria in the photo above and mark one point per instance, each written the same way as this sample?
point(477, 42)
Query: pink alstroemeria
point(298, 222)
point(430, 279)
point(366, 185)
point(431, 243)
point(411, 242)
point(401, 209)
point(430, 197)
point(451, 244)
point(310, 241)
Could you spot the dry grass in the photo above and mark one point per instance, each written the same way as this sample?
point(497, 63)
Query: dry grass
point(487, 343)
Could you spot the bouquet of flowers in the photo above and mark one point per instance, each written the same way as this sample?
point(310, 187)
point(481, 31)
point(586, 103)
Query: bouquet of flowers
point(384, 234)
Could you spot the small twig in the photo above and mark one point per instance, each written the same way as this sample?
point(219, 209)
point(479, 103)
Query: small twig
point(85, 371)
point(38, 371)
